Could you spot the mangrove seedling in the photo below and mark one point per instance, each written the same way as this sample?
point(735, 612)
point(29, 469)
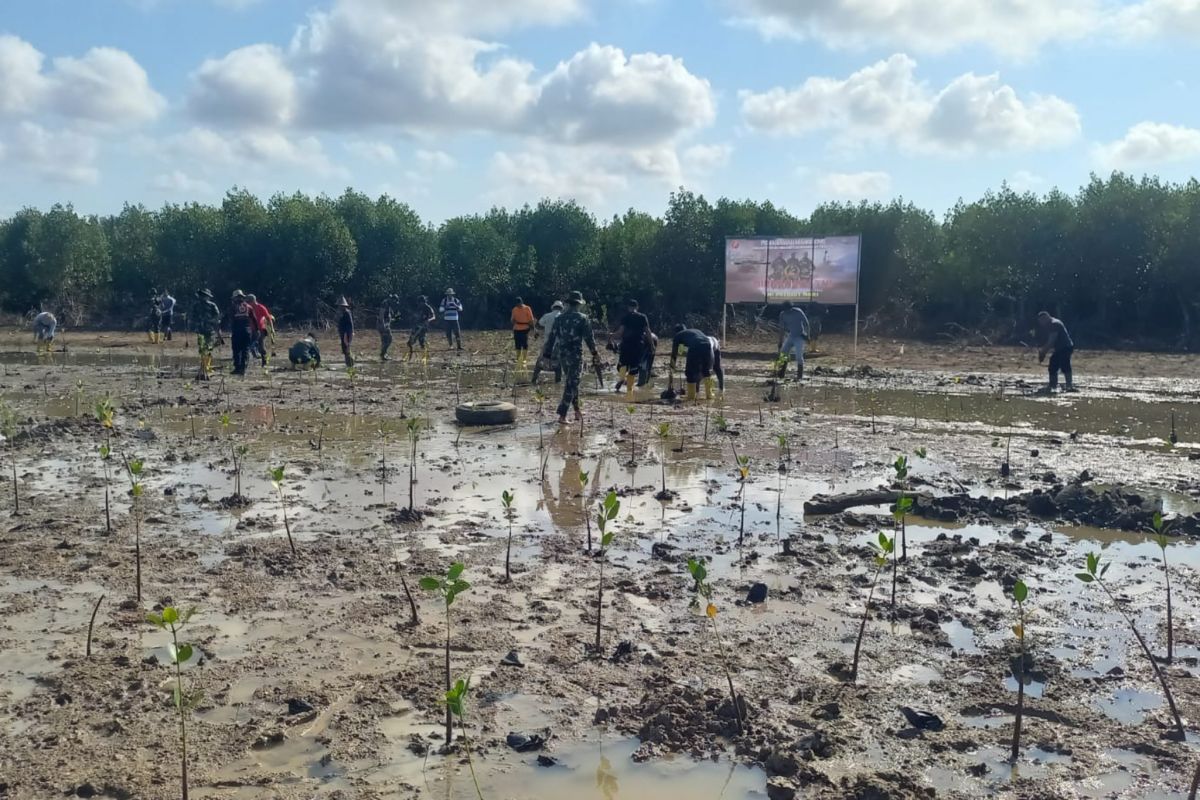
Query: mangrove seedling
point(134, 468)
point(92, 625)
point(607, 512)
point(583, 485)
point(703, 589)
point(276, 474)
point(173, 619)
point(352, 373)
point(449, 587)
point(78, 395)
point(8, 428)
point(631, 410)
point(383, 467)
point(743, 468)
point(413, 426)
point(325, 411)
point(902, 508)
point(785, 449)
point(506, 499)
point(1160, 538)
point(721, 423)
point(1020, 592)
point(883, 548)
point(456, 701)
point(1093, 573)
point(663, 429)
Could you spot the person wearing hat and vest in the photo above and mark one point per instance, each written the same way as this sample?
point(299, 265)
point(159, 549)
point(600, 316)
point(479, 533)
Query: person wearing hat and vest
point(451, 307)
point(241, 330)
point(346, 330)
point(545, 359)
point(572, 330)
point(522, 321)
point(383, 321)
point(205, 320)
point(423, 317)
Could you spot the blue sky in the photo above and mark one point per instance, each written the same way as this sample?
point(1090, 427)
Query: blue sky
point(458, 105)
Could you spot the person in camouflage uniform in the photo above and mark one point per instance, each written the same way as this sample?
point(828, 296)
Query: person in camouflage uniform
point(571, 331)
point(206, 322)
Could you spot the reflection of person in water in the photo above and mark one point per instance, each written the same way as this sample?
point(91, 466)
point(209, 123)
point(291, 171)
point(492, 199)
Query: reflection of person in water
point(565, 509)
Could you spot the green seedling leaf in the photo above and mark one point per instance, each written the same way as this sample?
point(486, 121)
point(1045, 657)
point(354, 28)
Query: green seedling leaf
point(155, 619)
point(664, 430)
point(1085, 577)
point(105, 452)
point(1093, 563)
point(170, 615)
point(1157, 522)
point(456, 569)
point(920, 452)
point(181, 654)
point(583, 479)
point(430, 584)
point(697, 569)
point(606, 539)
point(506, 497)
point(276, 474)
point(1020, 591)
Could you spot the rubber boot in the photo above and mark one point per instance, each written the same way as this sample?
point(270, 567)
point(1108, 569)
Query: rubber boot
point(425, 356)
point(691, 391)
point(630, 381)
point(708, 388)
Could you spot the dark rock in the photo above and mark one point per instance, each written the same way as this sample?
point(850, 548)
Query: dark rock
point(758, 593)
point(780, 789)
point(978, 770)
point(1042, 505)
point(974, 570)
point(782, 763)
point(85, 790)
point(624, 650)
point(923, 720)
point(601, 716)
point(297, 706)
point(544, 760)
point(827, 711)
point(513, 659)
point(525, 743)
point(664, 552)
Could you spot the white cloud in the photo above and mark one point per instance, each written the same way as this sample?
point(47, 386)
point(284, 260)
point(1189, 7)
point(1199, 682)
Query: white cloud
point(255, 149)
point(1153, 19)
point(1012, 27)
point(1025, 181)
point(58, 155)
point(1150, 143)
point(436, 159)
point(379, 152)
point(705, 158)
point(251, 86)
point(854, 185)
point(886, 102)
point(178, 182)
point(469, 16)
point(22, 84)
point(104, 85)
point(521, 176)
point(600, 95)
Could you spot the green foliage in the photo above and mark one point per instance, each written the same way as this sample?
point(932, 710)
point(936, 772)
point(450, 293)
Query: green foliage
point(457, 696)
point(721, 423)
point(276, 474)
point(608, 509)
point(884, 546)
point(8, 421)
point(920, 452)
point(449, 586)
point(105, 412)
point(904, 506)
point(1020, 591)
point(901, 467)
point(663, 429)
point(1094, 569)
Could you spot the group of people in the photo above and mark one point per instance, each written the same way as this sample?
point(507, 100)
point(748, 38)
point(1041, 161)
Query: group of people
point(421, 319)
point(162, 316)
point(251, 330)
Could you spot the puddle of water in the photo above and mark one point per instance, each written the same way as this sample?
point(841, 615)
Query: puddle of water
point(1033, 688)
point(961, 637)
point(914, 673)
point(1129, 705)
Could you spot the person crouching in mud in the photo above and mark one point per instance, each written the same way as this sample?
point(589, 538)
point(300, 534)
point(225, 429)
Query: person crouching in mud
point(305, 353)
point(703, 360)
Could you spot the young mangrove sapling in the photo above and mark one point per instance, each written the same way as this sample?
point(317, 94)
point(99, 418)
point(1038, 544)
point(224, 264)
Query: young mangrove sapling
point(276, 474)
point(607, 512)
point(456, 701)
point(413, 426)
point(703, 589)
point(583, 485)
point(1160, 538)
point(1020, 592)
point(8, 428)
point(134, 468)
point(449, 587)
point(663, 429)
point(883, 548)
point(506, 499)
point(173, 620)
point(1094, 574)
point(901, 468)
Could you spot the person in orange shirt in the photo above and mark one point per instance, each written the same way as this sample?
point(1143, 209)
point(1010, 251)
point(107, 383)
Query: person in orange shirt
point(522, 322)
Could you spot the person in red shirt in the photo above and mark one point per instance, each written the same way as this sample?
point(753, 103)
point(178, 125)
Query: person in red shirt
point(264, 325)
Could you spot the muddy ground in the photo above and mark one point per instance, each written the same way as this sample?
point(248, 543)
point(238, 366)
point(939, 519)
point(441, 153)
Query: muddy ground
point(316, 684)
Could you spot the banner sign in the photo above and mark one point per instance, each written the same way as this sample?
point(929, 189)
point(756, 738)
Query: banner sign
point(778, 270)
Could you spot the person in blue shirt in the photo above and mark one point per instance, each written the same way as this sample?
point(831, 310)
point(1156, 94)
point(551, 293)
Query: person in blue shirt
point(451, 307)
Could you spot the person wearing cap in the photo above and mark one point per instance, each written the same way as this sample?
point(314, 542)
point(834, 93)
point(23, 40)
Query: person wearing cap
point(346, 330)
point(522, 321)
point(154, 326)
point(264, 327)
point(794, 332)
point(205, 320)
point(633, 335)
point(383, 321)
point(422, 317)
point(451, 307)
point(305, 352)
point(546, 359)
point(167, 303)
point(703, 359)
point(241, 331)
point(572, 330)
point(1058, 343)
point(44, 327)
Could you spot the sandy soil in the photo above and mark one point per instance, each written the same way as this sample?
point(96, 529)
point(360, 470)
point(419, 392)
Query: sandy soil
point(317, 684)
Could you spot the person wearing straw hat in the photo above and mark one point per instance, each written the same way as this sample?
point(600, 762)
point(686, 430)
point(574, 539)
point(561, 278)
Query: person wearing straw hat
point(205, 319)
point(451, 307)
point(572, 330)
point(346, 330)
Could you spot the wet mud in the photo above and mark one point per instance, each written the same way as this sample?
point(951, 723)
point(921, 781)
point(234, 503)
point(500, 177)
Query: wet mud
point(317, 683)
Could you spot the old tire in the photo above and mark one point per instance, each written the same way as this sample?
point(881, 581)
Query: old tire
point(486, 413)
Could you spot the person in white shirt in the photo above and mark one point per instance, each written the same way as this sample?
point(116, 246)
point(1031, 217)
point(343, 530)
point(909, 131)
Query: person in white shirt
point(44, 326)
point(546, 359)
point(450, 309)
point(167, 303)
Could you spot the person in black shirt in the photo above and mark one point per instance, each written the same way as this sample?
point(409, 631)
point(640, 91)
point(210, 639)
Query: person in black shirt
point(633, 335)
point(702, 359)
point(241, 329)
point(423, 317)
point(346, 330)
point(1058, 343)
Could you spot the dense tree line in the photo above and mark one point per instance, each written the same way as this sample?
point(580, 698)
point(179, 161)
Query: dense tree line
point(1118, 259)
